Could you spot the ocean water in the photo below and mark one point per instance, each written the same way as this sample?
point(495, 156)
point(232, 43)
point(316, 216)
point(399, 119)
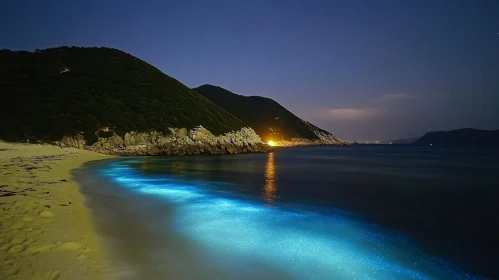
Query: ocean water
point(360, 212)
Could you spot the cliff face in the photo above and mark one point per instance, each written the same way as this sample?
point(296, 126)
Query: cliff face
point(178, 141)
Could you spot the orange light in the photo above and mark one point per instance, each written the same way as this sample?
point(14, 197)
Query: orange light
point(271, 143)
point(270, 188)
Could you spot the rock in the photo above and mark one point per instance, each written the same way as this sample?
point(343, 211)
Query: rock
point(115, 141)
point(182, 133)
point(76, 141)
point(183, 141)
point(153, 151)
point(129, 139)
point(200, 134)
point(174, 141)
point(322, 139)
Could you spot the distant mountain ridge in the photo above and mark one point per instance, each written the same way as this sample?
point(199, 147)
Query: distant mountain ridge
point(268, 118)
point(461, 138)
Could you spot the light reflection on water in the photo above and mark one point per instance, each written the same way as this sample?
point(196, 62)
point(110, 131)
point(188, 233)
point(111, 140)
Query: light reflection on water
point(303, 242)
point(270, 189)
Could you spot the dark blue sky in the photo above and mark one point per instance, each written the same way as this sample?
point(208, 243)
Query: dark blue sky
point(364, 70)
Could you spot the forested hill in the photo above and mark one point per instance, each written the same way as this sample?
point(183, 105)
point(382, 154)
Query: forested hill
point(50, 93)
point(267, 117)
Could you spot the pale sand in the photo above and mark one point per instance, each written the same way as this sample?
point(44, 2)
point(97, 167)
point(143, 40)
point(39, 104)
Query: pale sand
point(46, 232)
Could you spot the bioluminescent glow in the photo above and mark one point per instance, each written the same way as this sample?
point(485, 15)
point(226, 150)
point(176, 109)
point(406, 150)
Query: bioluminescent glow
point(307, 244)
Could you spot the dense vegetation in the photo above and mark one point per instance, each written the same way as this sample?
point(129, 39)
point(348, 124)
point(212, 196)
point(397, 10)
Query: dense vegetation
point(50, 93)
point(461, 138)
point(267, 117)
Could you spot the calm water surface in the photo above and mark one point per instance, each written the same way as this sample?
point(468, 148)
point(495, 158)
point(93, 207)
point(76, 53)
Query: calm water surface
point(365, 212)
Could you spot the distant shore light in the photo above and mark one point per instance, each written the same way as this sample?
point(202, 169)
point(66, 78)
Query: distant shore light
point(271, 143)
point(64, 70)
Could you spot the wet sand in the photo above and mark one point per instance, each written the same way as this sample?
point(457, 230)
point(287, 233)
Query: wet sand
point(141, 237)
point(46, 231)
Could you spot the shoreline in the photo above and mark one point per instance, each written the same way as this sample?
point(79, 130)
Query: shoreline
point(159, 223)
point(46, 230)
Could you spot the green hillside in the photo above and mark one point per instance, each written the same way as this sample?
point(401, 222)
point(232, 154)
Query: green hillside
point(267, 117)
point(63, 91)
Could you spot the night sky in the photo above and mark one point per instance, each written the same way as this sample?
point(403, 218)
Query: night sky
point(364, 70)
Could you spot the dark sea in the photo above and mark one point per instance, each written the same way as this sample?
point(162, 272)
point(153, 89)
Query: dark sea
point(357, 212)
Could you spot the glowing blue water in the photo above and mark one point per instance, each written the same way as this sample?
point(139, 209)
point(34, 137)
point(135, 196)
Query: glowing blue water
point(307, 243)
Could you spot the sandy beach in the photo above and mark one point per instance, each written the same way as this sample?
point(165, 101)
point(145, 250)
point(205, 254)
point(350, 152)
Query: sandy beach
point(46, 232)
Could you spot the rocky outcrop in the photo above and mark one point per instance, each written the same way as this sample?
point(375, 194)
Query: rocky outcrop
point(182, 141)
point(176, 141)
point(76, 141)
point(323, 138)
